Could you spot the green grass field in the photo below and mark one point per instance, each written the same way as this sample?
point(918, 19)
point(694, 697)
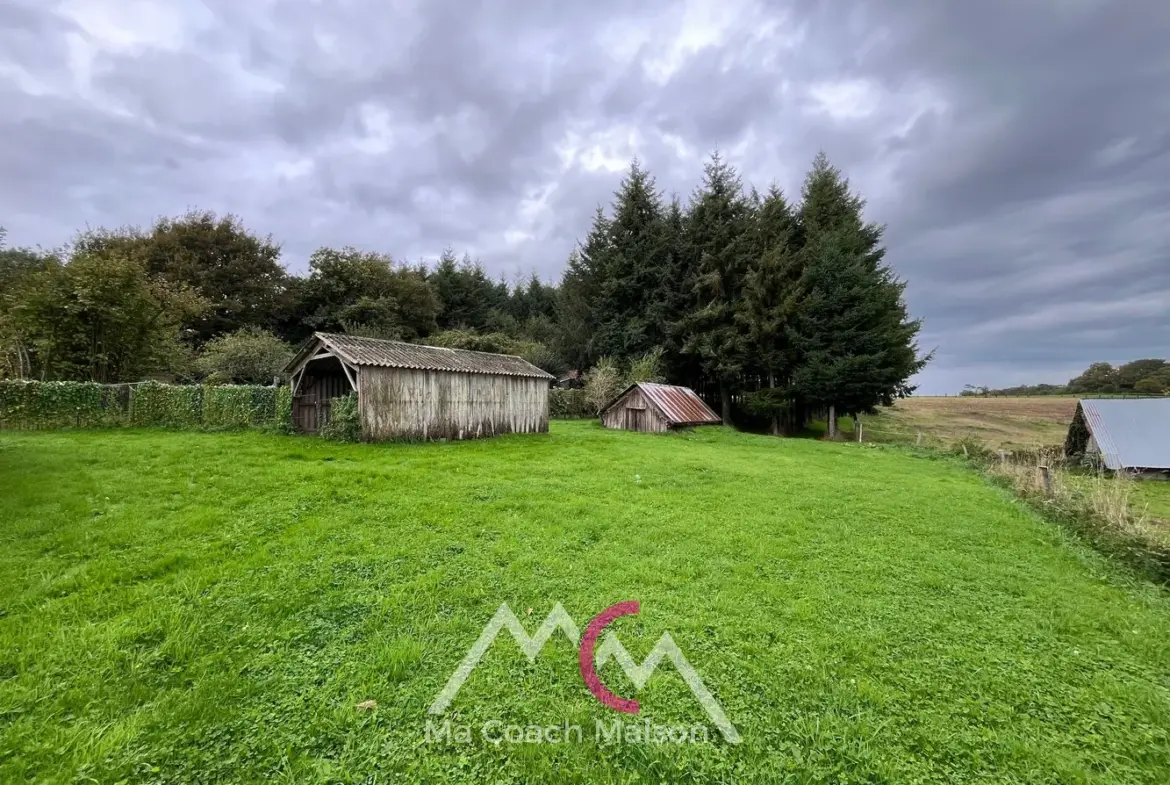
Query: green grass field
point(197, 608)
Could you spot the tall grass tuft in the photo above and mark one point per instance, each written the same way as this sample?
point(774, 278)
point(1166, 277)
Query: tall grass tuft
point(1099, 506)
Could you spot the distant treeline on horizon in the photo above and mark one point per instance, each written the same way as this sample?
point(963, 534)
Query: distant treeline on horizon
point(1137, 377)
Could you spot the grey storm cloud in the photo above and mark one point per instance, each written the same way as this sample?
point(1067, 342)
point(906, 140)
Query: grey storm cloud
point(1018, 152)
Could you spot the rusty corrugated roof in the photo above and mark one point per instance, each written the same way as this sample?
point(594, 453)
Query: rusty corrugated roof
point(679, 405)
point(396, 354)
point(1131, 433)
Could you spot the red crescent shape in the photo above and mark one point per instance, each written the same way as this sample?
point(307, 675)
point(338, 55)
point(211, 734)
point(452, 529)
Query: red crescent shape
point(586, 656)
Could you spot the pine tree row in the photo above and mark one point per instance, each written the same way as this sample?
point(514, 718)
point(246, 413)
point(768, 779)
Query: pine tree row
point(786, 309)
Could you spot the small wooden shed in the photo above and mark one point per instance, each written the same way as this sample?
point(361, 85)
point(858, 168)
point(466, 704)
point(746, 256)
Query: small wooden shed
point(408, 391)
point(657, 408)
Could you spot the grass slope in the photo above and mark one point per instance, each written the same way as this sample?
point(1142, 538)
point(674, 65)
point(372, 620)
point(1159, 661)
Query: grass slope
point(213, 607)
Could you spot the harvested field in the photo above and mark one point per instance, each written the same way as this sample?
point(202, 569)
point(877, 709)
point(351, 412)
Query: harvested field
point(1002, 423)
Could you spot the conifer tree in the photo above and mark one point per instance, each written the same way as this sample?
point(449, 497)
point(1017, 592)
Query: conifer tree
point(768, 305)
point(855, 340)
point(579, 295)
point(631, 278)
point(719, 221)
point(676, 297)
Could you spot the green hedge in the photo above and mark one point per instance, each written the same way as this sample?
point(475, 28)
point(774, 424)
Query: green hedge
point(568, 404)
point(344, 424)
point(31, 405)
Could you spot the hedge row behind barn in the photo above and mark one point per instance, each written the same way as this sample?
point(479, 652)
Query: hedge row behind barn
point(566, 404)
point(34, 405)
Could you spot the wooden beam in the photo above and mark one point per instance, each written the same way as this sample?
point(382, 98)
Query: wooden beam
point(296, 380)
point(348, 374)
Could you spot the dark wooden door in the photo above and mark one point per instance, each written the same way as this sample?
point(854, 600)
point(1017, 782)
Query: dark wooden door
point(311, 405)
point(308, 414)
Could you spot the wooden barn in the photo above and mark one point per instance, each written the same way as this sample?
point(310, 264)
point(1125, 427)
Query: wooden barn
point(407, 391)
point(657, 408)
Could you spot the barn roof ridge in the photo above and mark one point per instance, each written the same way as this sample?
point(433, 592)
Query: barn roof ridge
point(423, 345)
point(383, 352)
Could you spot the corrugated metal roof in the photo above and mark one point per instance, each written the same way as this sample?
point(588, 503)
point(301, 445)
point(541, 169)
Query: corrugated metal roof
point(679, 405)
point(396, 354)
point(1131, 433)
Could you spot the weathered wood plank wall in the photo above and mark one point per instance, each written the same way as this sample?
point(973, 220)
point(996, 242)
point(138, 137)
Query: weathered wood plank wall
point(399, 403)
point(634, 413)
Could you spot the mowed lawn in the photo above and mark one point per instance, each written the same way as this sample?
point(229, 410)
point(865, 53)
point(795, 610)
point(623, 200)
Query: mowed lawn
point(179, 607)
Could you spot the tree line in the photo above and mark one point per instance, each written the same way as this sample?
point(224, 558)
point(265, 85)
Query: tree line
point(1149, 376)
point(781, 308)
point(200, 296)
point(785, 306)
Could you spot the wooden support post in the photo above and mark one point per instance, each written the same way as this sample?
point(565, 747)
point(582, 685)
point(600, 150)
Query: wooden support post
point(918, 443)
point(1046, 480)
point(859, 427)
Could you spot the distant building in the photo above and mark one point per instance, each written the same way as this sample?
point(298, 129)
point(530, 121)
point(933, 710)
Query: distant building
point(656, 408)
point(570, 381)
point(408, 391)
point(1123, 433)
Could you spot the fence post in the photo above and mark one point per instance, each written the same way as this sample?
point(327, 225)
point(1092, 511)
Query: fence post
point(859, 427)
point(1002, 456)
point(1046, 480)
point(918, 443)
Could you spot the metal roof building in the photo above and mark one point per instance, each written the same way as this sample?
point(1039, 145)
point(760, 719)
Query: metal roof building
point(655, 408)
point(1127, 433)
point(408, 391)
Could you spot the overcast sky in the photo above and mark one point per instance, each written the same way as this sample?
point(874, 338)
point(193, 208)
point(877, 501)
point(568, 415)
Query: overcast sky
point(1016, 149)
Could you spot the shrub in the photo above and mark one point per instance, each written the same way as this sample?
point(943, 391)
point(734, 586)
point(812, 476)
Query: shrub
point(344, 423)
point(647, 368)
point(1151, 385)
point(247, 356)
point(568, 404)
point(602, 384)
point(971, 447)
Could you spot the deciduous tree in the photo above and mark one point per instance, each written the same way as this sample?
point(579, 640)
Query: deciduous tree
point(237, 273)
point(366, 293)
